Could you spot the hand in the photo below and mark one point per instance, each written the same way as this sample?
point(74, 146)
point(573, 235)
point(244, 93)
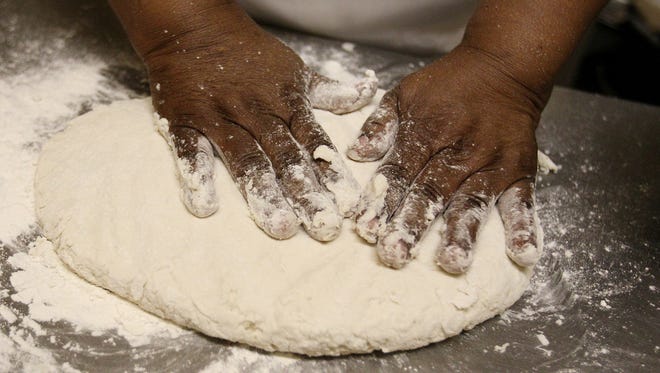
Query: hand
point(239, 91)
point(459, 137)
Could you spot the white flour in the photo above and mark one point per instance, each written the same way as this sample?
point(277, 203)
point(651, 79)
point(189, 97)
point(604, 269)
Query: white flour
point(33, 106)
point(54, 293)
point(37, 102)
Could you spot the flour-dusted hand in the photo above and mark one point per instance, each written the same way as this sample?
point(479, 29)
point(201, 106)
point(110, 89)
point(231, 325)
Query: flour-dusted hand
point(458, 134)
point(250, 97)
point(221, 83)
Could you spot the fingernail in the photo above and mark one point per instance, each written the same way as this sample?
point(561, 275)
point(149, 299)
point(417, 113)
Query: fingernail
point(356, 150)
point(198, 189)
point(369, 228)
point(454, 259)
point(268, 209)
point(394, 251)
point(282, 225)
point(524, 256)
point(202, 201)
point(325, 225)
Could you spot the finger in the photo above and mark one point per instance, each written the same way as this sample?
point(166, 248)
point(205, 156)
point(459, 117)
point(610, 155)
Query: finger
point(424, 202)
point(378, 131)
point(516, 207)
point(329, 167)
point(372, 213)
point(467, 210)
point(195, 165)
point(256, 180)
point(341, 97)
point(313, 205)
point(384, 192)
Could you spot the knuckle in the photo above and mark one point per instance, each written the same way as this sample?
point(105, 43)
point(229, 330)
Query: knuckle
point(413, 145)
point(519, 158)
point(462, 150)
point(285, 157)
point(310, 136)
point(184, 138)
point(472, 201)
point(395, 173)
point(262, 107)
point(314, 142)
point(249, 161)
point(398, 177)
point(190, 123)
point(429, 190)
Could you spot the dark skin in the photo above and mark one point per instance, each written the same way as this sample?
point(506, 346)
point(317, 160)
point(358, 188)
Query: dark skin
point(462, 134)
point(457, 137)
point(225, 84)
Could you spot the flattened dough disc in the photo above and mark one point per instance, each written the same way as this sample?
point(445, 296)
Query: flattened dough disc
point(107, 196)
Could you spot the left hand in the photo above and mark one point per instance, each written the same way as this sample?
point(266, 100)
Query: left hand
point(460, 136)
point(223, 85)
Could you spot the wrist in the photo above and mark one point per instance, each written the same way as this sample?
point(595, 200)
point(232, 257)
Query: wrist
point(529, 40)
point(531, 76)
point(157, 26)
point(510, 77)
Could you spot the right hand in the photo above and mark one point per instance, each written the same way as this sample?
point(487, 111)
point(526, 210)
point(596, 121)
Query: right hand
point(228, 85)
point(457, 138)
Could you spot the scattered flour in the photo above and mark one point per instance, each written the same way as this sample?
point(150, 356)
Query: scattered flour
point(348, 47)
point(33, 106)
point(38, 291)
point(53, 293)
point(543, 339)
point(501, 348)
point(605, 305)
point(35, 103)
point(7, 314)
point(242, 360)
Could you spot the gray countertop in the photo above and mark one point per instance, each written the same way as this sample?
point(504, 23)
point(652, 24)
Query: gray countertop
point(594, 295)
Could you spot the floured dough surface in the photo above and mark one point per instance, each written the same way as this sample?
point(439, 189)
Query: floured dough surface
point(108, 197)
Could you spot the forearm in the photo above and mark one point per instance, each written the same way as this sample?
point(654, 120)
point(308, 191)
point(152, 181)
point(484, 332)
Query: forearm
point(151, 24)
point(530, 39)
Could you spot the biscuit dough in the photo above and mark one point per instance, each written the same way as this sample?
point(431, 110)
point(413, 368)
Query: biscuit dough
point(107, 197)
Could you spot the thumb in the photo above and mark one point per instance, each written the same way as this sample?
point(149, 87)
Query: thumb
point(378, 131)
point(341, 97)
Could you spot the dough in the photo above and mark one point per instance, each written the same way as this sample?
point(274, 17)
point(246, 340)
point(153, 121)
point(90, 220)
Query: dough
point(107, 196)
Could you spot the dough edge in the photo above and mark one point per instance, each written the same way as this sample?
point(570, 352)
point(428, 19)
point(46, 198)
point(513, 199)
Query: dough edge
point(308, 342)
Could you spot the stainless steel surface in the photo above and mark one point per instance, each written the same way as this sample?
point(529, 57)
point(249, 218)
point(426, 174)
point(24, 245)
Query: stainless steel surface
point(600, 214)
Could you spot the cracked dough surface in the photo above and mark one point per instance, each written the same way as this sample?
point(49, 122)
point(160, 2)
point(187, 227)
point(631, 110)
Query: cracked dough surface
point(107, 196)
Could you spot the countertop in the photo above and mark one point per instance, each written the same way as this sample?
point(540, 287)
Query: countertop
point(594, 296)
